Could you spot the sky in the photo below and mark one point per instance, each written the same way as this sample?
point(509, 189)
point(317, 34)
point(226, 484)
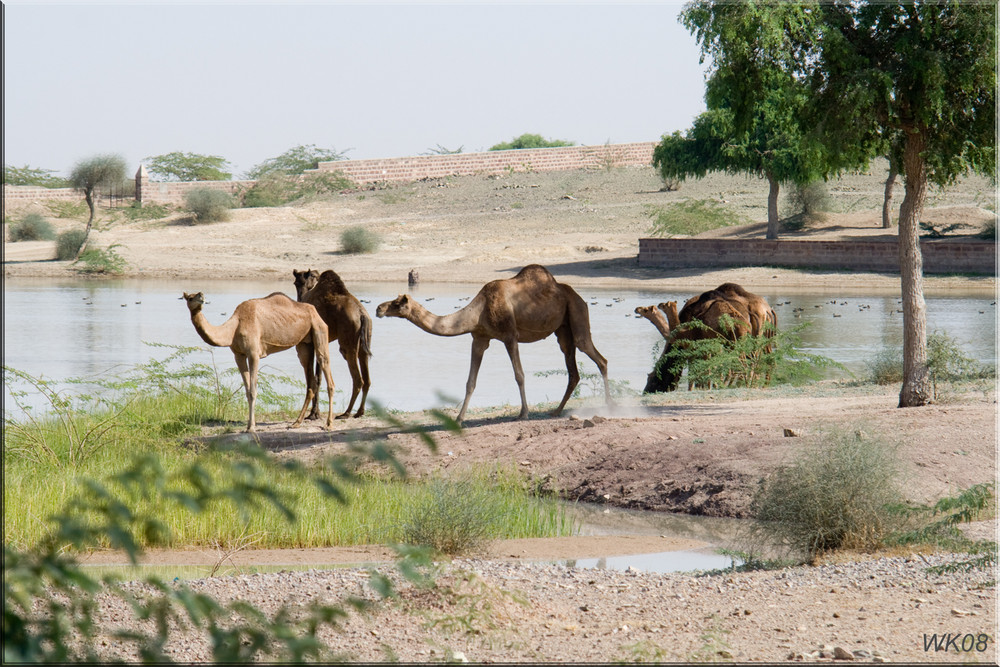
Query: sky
point(248, 81)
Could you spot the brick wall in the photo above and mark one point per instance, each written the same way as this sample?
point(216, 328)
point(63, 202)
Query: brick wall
point(390, 169)
point(493, 162)
point(940, 256)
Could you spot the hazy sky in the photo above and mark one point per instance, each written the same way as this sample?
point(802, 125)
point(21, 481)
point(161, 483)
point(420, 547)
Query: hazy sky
point(247, 81)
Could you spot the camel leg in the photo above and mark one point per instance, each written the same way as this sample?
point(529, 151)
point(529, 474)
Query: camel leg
point(366, 382)
point(565, 338)
point(248, 372)
point(314, 384)
point(305, 353)
point(587, 347)
point(479, 346)
point(515, 361)
point(324, 358)
point(350, 355)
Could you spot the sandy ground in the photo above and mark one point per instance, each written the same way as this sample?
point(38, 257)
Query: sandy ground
point(687, 452)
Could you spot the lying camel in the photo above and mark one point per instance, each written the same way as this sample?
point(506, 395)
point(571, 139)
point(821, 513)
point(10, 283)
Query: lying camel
point(522, 309)
point(259, 327)
point(347, 322)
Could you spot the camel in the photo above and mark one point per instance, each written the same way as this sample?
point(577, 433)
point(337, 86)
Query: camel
point(656, 317)
point(347, 322)
point(760, 313)
point(522, 309)
point(259, 327)
point(709, 309)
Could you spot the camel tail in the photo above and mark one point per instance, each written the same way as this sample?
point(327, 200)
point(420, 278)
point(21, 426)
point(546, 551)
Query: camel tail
point(366, 333)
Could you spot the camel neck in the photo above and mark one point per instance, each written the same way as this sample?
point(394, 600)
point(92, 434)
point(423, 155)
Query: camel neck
point(455, 324)
point(216, 336)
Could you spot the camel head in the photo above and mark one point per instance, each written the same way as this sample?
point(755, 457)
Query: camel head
point(643, 310)
point(194, 301)
point(305, 281)
point(398, 307)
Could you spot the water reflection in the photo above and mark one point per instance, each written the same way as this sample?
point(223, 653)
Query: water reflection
point(62, 329)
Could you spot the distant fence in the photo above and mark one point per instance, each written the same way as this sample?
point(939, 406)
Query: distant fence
point(939, 255)
point(387, 169)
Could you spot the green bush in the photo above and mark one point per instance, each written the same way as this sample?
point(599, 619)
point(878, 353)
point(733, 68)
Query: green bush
point(69, 242)
point(807, 204)
point(98, 260)
point(886, 367)
point(454, 517)
point(530, 141)
point(838, 494)
point(150, 211)
point(359, 240)
point(278, 189)
point(690, 217)
point(32, 227)
point(209, 205)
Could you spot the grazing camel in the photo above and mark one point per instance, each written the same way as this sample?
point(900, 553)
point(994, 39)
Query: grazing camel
point(656, 317)
point(760, 313)
point(708, 308)
point(259, 327)
point(522, 309)
point(347, 322)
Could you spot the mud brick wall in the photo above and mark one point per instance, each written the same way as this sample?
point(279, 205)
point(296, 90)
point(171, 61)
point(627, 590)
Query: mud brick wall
point(389, 169)
point(978, 257)
point(493, 162)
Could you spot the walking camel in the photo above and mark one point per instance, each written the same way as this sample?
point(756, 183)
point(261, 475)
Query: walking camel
point(348, 323)
point(259, 327)
point(523, 309)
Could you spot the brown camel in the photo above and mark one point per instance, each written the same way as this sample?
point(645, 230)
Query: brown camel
point(707, 308)
point(347, 322)
point(656, 317)
point(259, 327)
point(760, 313)
point(522, 309)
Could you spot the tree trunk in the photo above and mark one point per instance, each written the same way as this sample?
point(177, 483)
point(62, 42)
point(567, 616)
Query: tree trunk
point(89, 196)
point(890, 183)
point(772, 206)
point(916, 385)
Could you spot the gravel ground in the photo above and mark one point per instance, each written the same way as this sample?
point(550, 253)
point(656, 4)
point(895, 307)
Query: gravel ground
point(882, 610)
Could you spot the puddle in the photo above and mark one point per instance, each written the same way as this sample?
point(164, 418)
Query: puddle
point(666, 561)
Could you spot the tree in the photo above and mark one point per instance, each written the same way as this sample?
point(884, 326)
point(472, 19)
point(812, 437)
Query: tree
point(754, 99)
point(178, 166)
point(925, 71)
point(530, 141)
point(28, 175)
point(90, 174)
point(296, 161)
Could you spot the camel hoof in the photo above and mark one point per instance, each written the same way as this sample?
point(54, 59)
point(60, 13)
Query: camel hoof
point(359, 413)
point(314, 415)
point(346, 415)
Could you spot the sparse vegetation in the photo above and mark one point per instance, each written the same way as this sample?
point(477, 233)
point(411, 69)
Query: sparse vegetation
point(530, 141)
point(178, 166)
point(101, 261)
point(359, 240)
point(807, 204)
point(281, 189)
point(691, 217)
point(296, 161)
point(28, 175)
point(68, 244)
point(32, 227)
point(835, 495)
point(209, 204)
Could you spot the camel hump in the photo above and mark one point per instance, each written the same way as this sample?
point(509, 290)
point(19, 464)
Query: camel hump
point(332, 282)
point(733, 288)
point(534, 272)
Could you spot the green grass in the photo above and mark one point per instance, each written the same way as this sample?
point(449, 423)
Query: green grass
point(161, 412)
point(691, 217)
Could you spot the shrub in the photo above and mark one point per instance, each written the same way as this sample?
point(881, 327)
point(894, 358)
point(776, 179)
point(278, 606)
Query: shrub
point(280, 189)
point(530, 141)
point(359, 240)
point(989, 231)
point(453, 517)
point(690, 217)
point(886, 367)
point(32, 227)
point(209, 205)
point(69, 243)
point(97, 260)
point(838, 494)
point(150, 211)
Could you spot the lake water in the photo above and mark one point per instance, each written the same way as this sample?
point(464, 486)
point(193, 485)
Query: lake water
point(77, 329)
